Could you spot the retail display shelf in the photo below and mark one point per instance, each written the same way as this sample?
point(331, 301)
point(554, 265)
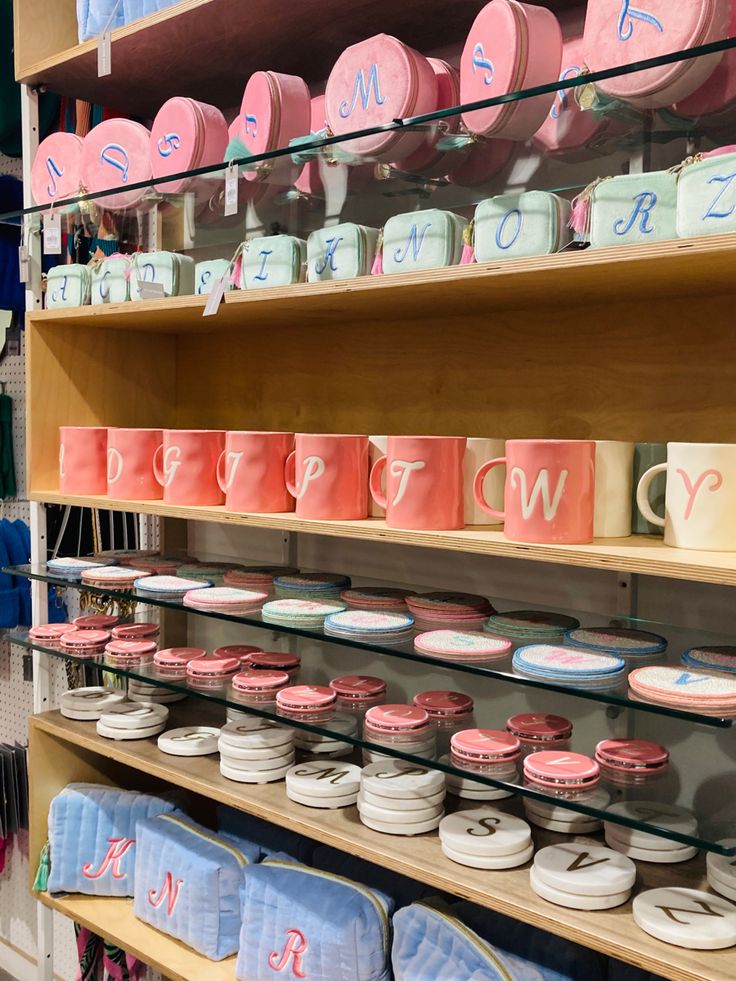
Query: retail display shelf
point(641, 554)
point(669, 269)
point(65, 750)
point(114, 920)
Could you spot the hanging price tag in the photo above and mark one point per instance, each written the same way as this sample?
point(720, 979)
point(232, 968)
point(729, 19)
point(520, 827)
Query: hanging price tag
point(104, 55)
point(216, 296)
point(52, 233)
point(24, 264)
point(231, 190)
point(151, 291)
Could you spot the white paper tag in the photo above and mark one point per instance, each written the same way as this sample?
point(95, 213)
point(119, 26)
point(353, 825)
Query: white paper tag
point(216, 296)
point(24, 263)
point(150, 291)
point(52, 233)
point(231, 191)
point(104, 54)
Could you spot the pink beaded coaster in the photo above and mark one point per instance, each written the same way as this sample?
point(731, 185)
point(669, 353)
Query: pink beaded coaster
point(686, 688)
point(224, 598)
point(462, 646)
point(376, 598)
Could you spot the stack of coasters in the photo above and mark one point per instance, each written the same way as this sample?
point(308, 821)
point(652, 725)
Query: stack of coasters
point(526, 626)
point(311, 586)
point(158, 565)
point(538, 731)
point(722, 870)
point(370, 627)
point(400, 798)
point(490, 753)
point(257, 577)
point(631, 761)
point(140, 691)
point(256, 751)
point(462, 646)
point(581, 876)
point(562, 771)
point(691, 690)
point(88, 704)
point(563, 820)
point(172, 661)
point(485, 838)
point(382, 598)
point(258, 687)
point(120, 577)
point(241, 651)
point(95, 621)
point(124, 653)
point(136, 631)
point(319, 744)
point(311, 703)
point(84, 643)
point(577, 668)
point(132, 720)
point(617, 640)
point(358, 692)
point(169, 587)
point(275, 661)
point(645, 847)
point(714, 659)
point(226, 599)
point(405, 728)
point(686, 918)
point(72, 568)
point(213, 575)
point(299, 613)
point(325, 785)
point(50, 634)
point(468, 789)
point(189, 741)
point(211, 672)
point(450, 611)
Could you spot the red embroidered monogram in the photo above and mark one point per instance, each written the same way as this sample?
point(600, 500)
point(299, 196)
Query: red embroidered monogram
point(295, 949)
point(114, 855)
point(169, 892)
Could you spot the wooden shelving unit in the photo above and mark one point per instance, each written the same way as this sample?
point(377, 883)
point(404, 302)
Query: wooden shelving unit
point(62, 751)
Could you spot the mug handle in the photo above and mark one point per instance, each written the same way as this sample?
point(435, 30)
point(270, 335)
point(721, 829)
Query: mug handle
point(478, 488)
point(375, 482)
point(158, 470)
point(290, 473)
point(642, 495)
point(220, 472)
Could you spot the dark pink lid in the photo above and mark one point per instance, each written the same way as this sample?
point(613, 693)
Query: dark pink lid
point(273, 660)
point(177, 657)
point(485, 745)
point(539, 725)
point(260, 681)
point(444, 704)
point(130, 648)
point(305, 698)
point(50, 631)
point(135, 631)
point(358, 686)
point(559, 767)
point(631, 753)
point(85, 638)
point(96, 621)
point(209, 666)
point(241, 651)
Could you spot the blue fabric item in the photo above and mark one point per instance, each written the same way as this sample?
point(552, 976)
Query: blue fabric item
point(92, 835)
point(189, 883)
point(400, 888)
point(306, 923)
point(133, 9)
point(25, 533)
point(93, 15)
point(6, 581)
point(558, 959)
point(431, 943)
point(249, 831)
point(10, 607)
point(15, 545)
point(57, 614)
point(12, 291)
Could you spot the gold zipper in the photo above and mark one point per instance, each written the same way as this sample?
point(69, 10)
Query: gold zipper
point(236, 853)
point(474, 940)
point(510, 107)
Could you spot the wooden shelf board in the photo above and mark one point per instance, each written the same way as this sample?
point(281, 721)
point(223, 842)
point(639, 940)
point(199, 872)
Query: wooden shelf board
point(612, 932)
point(642, 554)
point(114, 920)
point(677, 268)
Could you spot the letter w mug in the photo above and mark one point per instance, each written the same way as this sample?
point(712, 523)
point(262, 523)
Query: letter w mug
point(549, 492)
point(328, 476)
point(186, 466)
point(424, 482)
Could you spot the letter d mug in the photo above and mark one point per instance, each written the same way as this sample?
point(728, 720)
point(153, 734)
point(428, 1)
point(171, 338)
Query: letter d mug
point(186, 466)
point(82, 460)
point(328, 476)
point(700, 496)
point(549, 491)
point(424, 482)
point(130, 454)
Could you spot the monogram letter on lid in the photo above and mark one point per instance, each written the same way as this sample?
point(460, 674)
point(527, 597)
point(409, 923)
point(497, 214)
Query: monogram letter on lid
point(686, 918)
point(634, 208)
point(57, 169)
point(422, 240)
point(706, 196)
point(512, 226)
point(116, 153)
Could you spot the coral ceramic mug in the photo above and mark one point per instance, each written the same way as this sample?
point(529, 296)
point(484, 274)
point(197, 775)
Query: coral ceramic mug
point(82, 463)
point(185, 466)
point(699, 496)
point(250, 472)
point(424, 482)
point(549, 490)
point(130, 454)
point(328, 476)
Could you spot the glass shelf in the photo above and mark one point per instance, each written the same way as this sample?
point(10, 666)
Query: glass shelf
point(674, 787)
point(679, 640)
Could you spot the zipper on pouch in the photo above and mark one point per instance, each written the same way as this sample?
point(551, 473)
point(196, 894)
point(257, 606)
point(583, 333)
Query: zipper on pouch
point(473, 939)
point(237, 855)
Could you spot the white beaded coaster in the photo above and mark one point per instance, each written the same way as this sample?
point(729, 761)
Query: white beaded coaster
point(398, 778)
point(485, 832)
point(498, 862)
point(686, 918)
point(189, 741)
point(575, 900)
point(587, 870)
point(324, 779)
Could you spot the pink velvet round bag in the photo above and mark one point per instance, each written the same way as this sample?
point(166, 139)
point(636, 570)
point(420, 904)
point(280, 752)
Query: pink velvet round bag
point(428, 160)
point(275, 110)
point(116, 153)
point(57, 169)
point(186, 134)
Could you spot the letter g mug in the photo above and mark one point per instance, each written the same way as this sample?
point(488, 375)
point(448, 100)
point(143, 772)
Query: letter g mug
point(549, 491)
point(186, 466)
point(328, 476)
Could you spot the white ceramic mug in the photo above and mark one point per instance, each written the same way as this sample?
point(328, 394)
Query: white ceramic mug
point(477, 451)
point(614, 476)
point(700, 499)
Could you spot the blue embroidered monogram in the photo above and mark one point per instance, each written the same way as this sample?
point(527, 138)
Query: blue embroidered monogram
point(481, 63)
point(168, 143)
point(262, 274)
point(516, 218)
point(54, 172)
point(689, 679)
point(340, 252)
point(514, 226)
point(362, 90)
point(68, 286)
point(706, 196)
point(422, 240)
point(122, 164)
point(328, 259)
point(275, 260)
point(250, 126)
point(562, 99)
point(414, 242)
point(642, 212)
point(627, 16)
point(727, 181)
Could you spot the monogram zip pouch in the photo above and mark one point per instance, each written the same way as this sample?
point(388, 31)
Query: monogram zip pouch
point(422, 240)
point(172, 271)
point(276, 260)
point(340, 252)
point(111, 281)
point(189, 884)
point(706, 196)
point(310, 924)
point(92, 838)
point(93, 15)
point(67, 286)
point(207, 273)
point(634, 208)
point(515, 226)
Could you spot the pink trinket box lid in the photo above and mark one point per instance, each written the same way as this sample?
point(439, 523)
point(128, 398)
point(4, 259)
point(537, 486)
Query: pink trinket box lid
point(51, 631)
point(275, 110)
point(397, 718)
point(358, 686)
point(274, 660)
point(57, 168)
point(81, 639)
point(542, 726)
point(177, 657)
point(309, 180)
point(718, 93)
point(306, 698)
point(561, 769)
point(260, 681)
point(212, 667)
point(485, 746)
point(116, 153)
point(131, 648)
point(96, 621)
point(135, 631)
point(444, 704)
point(241, 651)
point(634, 754)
